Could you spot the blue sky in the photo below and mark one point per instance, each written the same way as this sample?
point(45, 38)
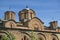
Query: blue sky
point(46, 10)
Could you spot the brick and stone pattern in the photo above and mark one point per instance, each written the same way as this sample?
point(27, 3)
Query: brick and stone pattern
point(28, 22)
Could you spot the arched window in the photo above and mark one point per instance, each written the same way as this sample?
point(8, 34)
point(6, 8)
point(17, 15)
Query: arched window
point(36, 27)
point(25, 15)
point(25, 38)
point(22, 16)
point(11, 24)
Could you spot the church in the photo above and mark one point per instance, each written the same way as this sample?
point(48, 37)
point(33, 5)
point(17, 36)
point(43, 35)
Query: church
point(28, 22)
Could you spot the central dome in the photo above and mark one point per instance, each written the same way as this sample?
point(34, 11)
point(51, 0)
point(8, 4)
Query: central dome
point(27, 9)
point(26, 14)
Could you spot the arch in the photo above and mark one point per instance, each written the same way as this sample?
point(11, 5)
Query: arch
point(26, 36)
point(10, 24)
point(35, 21)
point(54, 37)
point(41, 36)
point(26, 33)
point(6, 34)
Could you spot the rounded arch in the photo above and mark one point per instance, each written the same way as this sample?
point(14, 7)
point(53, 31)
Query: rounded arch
point(36, 23)
point(10, 24)
point(25, 36)
point(6, 34)
point(25, 33)
point(36, 19)
point(54, 37)
point(41, 36)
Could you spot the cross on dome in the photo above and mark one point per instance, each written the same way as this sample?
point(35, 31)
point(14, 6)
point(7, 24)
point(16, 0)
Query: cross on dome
point(27, 7)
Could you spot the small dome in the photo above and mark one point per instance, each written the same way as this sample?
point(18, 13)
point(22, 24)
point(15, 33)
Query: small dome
point(9, 15)
point(9, 12)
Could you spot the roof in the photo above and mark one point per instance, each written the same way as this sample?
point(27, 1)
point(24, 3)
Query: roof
point(25, 10)
point(39, 20)
point(10, 11)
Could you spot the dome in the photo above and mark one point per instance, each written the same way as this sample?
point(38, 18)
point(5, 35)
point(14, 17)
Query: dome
point(26, 14)
point(10, 12)
point(26, 11)
point(9, 15)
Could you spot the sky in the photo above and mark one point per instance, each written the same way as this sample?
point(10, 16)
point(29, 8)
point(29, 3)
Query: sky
point(46, 10)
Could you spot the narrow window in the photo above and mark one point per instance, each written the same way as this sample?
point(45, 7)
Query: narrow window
point(36, 27)
point(31, 15)
point(25, 38)
point(25, 15)
point(11, 24)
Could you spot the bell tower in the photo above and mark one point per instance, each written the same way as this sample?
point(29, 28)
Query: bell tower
point(26, 14)
point(9, 15)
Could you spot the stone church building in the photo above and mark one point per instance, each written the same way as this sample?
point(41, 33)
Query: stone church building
point(28, 22)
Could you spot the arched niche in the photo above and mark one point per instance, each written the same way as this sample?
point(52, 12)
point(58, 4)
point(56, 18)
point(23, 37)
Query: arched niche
point(41, 36)
point(25, 36)
point(54, 37)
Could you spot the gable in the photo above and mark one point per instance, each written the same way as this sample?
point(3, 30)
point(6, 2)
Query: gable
point(10, 24)
point(37, 19)
point(36, 23)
